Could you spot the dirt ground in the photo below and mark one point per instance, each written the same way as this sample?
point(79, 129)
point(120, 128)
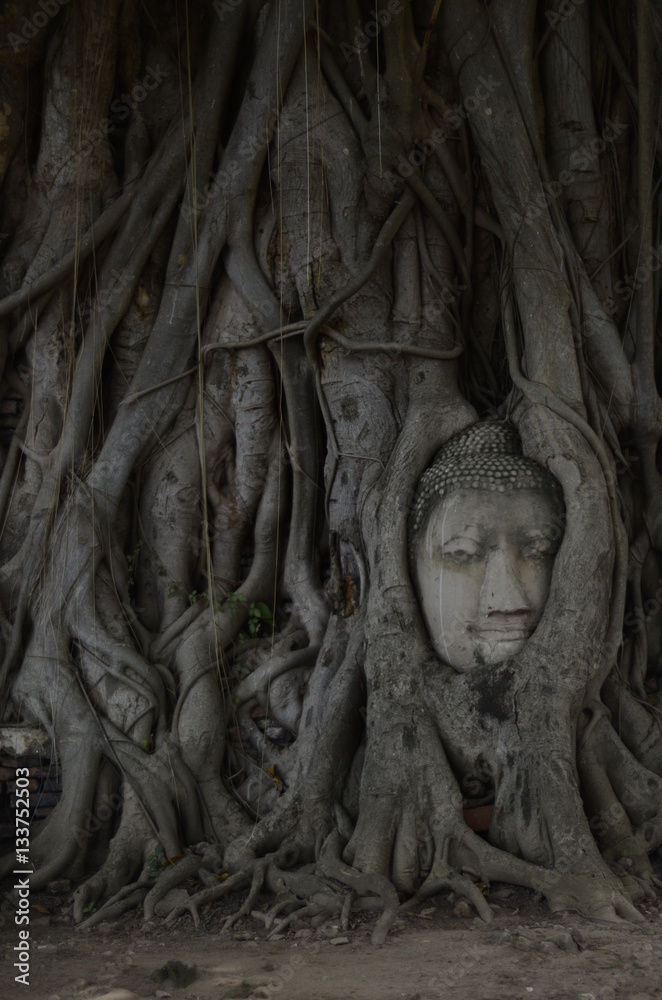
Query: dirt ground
point(438, 952)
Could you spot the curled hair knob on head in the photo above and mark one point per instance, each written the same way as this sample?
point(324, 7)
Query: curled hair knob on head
point(486, 456)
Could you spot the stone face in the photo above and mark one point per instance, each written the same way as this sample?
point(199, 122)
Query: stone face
point(482, 549)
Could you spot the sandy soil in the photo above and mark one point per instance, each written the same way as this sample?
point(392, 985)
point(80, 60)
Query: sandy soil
point(525, 952)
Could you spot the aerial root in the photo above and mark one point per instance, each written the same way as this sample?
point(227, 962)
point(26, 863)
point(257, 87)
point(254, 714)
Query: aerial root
point(315, 903)
point(594, 894)
point(176, 874)
point(86, 894)
point(256, 885)
point(331, 865)
point(638, 885)
point(236, 881)
point(305, 910)
point(254, 871)
point(444, 876)
point(256, 685)
point(169, 879)
point(93, 889)
point(455, 882)
point(270, 916)
point(346, 910)
point(111, 909)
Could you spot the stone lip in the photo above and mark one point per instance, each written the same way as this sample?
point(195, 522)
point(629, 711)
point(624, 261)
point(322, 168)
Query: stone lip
point(517, 630)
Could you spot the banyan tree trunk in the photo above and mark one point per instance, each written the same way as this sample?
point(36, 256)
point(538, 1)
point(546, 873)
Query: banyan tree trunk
point(260, 261)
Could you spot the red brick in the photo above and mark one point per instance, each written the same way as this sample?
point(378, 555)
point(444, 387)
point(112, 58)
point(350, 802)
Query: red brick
point(33, 785)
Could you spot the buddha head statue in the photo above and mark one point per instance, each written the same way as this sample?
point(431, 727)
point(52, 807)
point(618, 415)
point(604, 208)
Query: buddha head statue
point(483, 532)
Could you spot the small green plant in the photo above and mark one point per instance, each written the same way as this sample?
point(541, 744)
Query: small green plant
point(156, 861)
point(194, 596)
point(234, 600)
point(260, 617)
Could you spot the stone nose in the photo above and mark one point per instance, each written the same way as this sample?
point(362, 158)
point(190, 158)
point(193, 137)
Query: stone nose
point(502, 591)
